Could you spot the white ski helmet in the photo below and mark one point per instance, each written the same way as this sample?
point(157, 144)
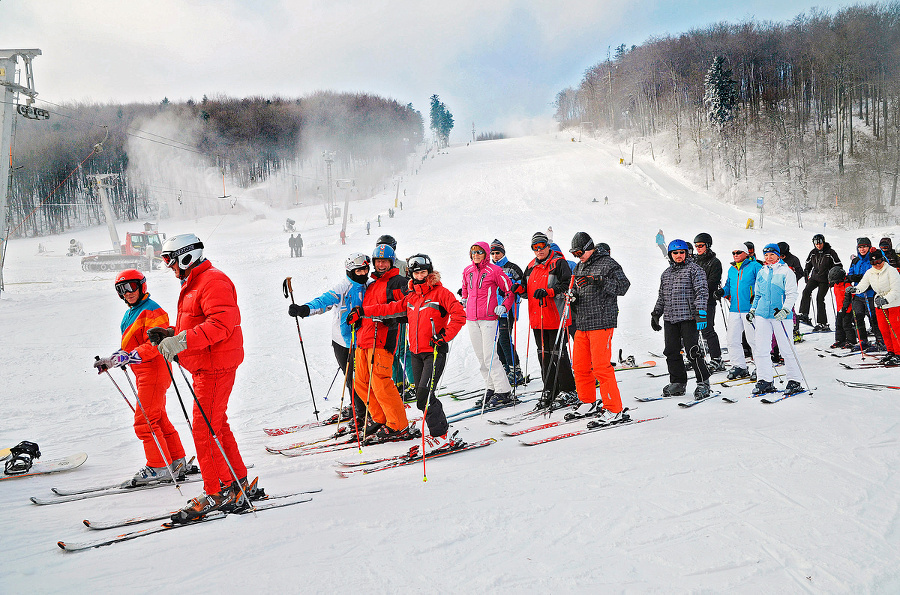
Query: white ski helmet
point(185, 249)
point(357, 260)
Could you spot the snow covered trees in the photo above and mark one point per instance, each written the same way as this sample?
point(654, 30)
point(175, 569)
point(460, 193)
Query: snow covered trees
point(441, 120)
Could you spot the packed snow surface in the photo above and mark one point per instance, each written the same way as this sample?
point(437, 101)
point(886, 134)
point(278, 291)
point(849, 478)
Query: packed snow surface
point(800, 496)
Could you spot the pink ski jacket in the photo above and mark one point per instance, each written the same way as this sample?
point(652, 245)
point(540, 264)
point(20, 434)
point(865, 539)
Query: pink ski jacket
point(480, 287)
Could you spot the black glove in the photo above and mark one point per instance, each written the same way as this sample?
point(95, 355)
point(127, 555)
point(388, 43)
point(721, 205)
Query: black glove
point(298, 311)
point(459, 292)
point(654, 322)
point(585, 280)
point(540, 293)
point(158, 333)
point(880, 301)
point(354, 318)
point(719, 293)
point(439, 341)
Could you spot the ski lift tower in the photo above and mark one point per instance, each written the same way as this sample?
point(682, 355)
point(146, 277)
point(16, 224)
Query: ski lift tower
point(329, 187)
point(8, 61)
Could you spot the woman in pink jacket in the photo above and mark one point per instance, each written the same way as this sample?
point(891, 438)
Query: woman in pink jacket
point(487, 295)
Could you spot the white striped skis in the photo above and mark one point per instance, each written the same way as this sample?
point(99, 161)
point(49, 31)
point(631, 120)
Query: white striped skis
point(405, 459)
point(588, 430)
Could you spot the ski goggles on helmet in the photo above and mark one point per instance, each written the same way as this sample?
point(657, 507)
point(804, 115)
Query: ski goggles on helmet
point(538, 246)
point(124, 287)
point(419, 262)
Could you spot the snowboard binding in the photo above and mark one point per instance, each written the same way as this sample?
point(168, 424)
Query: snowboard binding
point(21, 458)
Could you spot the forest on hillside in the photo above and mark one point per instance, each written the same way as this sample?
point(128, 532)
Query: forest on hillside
point(805, 113)
point(184, 158)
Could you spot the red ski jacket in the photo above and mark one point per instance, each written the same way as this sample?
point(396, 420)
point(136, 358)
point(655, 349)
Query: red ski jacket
point(386, 288)
point(554, 276)
point(208, 311)
point(430, 308)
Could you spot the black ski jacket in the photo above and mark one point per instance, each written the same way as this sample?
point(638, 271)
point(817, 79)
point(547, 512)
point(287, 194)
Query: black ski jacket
point(819, 262)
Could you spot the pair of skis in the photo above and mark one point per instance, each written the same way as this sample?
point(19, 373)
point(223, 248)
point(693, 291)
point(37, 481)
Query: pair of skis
point(265, 503)
point(410, 457)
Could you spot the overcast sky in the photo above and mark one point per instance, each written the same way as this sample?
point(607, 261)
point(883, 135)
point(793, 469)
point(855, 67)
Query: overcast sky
point(492, 62)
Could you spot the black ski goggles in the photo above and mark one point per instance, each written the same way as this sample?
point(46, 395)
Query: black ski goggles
point(124, 287)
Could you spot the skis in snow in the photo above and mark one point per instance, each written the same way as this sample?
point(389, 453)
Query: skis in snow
point(100, 525)
point(372, 466)
point(260, 506)
point(588, 430)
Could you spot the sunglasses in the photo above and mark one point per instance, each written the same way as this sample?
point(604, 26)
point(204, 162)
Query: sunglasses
point(474, 252)
point(539, 246)
point(679, 251)
point(700, 245)
point(496, 252)
point(127, 287)
point(736, 252)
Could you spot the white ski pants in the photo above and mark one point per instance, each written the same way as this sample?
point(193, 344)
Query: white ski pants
point(782, 329)
point(483, 334)
point(737, 324)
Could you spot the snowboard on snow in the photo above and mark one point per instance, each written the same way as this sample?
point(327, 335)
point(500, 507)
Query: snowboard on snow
point(40, 467)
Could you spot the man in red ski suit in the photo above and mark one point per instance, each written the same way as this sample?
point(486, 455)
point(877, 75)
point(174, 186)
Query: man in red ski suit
point(210, 345)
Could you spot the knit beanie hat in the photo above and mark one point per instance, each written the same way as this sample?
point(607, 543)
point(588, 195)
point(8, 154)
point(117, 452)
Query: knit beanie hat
point(863, 242)
point(497, 245)
point(540, 237)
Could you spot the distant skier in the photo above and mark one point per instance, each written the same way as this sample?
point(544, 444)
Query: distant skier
point(292, 243)
point(152, 379)
point(298, 243)
point(661, 243)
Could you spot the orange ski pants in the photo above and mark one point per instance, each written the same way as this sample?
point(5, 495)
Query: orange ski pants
point(591, 355)
point(151, 387)
point(383, 400)
point(889, 325)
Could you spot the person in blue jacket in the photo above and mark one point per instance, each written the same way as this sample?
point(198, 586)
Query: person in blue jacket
point(343, 297)
point(775, 293)
point(864, 303)
point(738, 290)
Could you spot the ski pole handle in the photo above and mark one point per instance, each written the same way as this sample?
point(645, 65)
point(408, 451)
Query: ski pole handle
point(288, 289)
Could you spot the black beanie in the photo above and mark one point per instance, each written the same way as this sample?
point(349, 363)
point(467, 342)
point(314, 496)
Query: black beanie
point(863, 242)
point(497, 245)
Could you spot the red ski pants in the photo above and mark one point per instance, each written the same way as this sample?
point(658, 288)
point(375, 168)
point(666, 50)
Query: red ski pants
point(151, 387)
point(590, 365)
point(889, 324)
point(213, 388)
point(382, 399)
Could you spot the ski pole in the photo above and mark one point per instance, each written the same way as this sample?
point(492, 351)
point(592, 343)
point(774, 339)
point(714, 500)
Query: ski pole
point(794, 351)
point(152, 433)
point(97, 358)
point(352, 371)
point(561, 335)
point(333, 380)
point(212, 432)
point(490, 366)
point(289, 291)
point(434, 355)
point(369, 387)
point(862, 351)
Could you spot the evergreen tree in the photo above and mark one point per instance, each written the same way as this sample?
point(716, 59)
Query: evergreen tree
point(720, 95)
point(441, 120)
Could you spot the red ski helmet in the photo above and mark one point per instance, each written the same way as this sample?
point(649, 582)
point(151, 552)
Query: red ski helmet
point(131, 280)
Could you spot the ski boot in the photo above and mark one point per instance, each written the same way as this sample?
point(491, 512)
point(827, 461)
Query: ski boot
point(500, 399)
point(488, 395)
point(148, 476)
point(702, 390)
point(204, 504)
point(716, 365)
point(822, 328)
point(798, 337)
point(584, 410)
point(792, 388)
point(674, 389)
point(804, 318)
point(516, 378)
point(764, 387)
point(736, 373)
point(608, 418)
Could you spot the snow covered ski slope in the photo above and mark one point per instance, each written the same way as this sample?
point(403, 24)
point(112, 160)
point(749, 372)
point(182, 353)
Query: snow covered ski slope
point(794, 498)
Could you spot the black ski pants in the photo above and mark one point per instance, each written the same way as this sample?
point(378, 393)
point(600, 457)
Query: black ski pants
point(864, 307)
point(821, 313)
point(506, 350)
point(343, 355)
point(426, 374)
point(709, 333)
point(555, 364)
point(684, 332)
